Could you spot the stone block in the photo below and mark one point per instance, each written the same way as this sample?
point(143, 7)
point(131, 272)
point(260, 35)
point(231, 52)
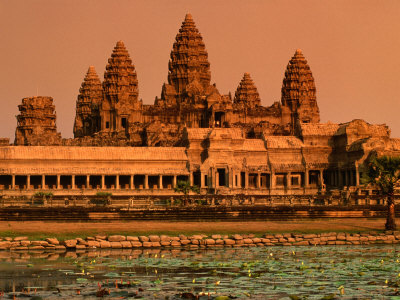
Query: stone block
point(116, 238)
point(136, 244)
point(210, 242)
point(126, 244)
point(105, 244)
point(175, 244)
point(70, 243)
point(185, 242)
point(20, 238)
point(229, 241)
point(116, 245)
point(53, 241)
point(154, 238)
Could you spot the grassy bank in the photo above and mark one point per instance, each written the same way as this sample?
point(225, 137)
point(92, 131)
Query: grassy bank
point(61, 230)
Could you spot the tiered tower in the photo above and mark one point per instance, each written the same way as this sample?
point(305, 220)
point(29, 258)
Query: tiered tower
point(298, 91)
point(36, 123)
point(189, 61)
point(87, 119)
point(121, 92)
point(246, 95)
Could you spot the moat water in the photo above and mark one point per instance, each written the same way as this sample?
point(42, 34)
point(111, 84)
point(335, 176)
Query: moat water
point(348, 272)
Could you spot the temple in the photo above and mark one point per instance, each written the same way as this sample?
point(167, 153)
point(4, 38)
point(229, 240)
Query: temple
point(192, 132)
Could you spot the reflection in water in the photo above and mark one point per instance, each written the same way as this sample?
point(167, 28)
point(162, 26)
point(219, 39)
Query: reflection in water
point(259, 272)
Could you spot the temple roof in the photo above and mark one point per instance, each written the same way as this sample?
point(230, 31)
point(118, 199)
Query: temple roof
point(246, 94)
point(189, 58)
point(90, 90)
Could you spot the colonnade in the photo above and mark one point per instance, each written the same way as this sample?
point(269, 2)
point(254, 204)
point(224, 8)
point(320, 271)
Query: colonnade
point(215, 177)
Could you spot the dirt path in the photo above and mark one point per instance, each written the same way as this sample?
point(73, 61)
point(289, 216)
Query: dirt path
point(35, 227)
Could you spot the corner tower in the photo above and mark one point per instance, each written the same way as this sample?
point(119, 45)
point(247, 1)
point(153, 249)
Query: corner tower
point(87, 119)
point(298, 91)
point(121, 92)
point(189, 60)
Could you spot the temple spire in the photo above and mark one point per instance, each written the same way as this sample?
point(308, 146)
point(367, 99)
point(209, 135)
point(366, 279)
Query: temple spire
point(189, 58)
point(87, 104)
point(298, 90)
point(246, 94)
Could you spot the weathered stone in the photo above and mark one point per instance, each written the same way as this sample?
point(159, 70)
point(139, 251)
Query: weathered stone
point(165, 243)
point(53, 241)
point(147, 244)
point(154, 238)
point(216, 236)
point(136, 244)
point(175, 244)
point(69, 243)
point(210, 242)
point(155, 244)
point(132, 238)
point(126, 244)
point(105, 244)
point(93, 244)
point(116, 238)
point(185, 242)
point(236, 237)
point(20, 238)
point(116, 245)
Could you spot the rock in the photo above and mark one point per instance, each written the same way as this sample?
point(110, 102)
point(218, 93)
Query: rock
point(116, 245)
point(301, 243)
point(229, 242)
point(53, 241)
point(143, 238)
point(248, 241)
point(25, 243)
point(237, 237)
point(185, 242)
point(93, 244)
point(60, 247)
point(70, 243)
point(20, 238)
point(116, 238)
point(196, 237)
point(175, 238)
point(132, 238)
point(219, 242)
point(154, 238)
point(101, 237)
point(155, 244)
point(210, 242)
point(80, 247)
point(105, 244)
point(216, 236)
point(136, 244)
point(175, 244)
point(165, 243)
point(147, 244)
point(309, 236)
point(165, 238)
point(126, 244)
point(5, 244)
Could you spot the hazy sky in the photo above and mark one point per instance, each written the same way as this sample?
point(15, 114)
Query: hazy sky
point(353, 49)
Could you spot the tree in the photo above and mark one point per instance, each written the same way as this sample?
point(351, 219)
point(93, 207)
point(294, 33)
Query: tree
point(185, 187)
point(384, 172)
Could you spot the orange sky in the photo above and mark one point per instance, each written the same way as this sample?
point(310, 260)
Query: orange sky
point(353, 49)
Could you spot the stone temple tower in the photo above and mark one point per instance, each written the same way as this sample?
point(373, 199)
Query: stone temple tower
point(246, 94)
point(298, 91)
point(120, 105)
point(188, 67)
point(87, 119)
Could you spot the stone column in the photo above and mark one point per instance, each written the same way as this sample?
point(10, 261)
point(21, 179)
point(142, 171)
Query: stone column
point(73, 181)
point(345, 178)
point(213, 179)
point(246, 182)
point(259, 180)
point(87, 181)
point(216, 179)
point(288, 181)
point(321, 176)
point(58, 181)
point(357, 176)
point(191, 178)
point(28, 182)
point(160, 185)
point(174, 181)
point(43, 181)
point(131, 182)
point(239, 179)
point(103, 182)
point(306, 178)
point(146, 182)
point(12, 181)
point(231, 179)
point(117, 182)
point(272, 180)
point(202, 180)
point(340, 178)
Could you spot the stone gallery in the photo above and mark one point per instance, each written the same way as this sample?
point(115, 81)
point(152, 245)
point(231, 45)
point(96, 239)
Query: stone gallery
point(225, 144)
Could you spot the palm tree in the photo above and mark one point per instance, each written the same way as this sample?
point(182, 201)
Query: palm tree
point(185, 187)
point(384, 172)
